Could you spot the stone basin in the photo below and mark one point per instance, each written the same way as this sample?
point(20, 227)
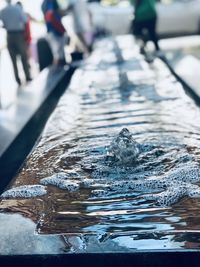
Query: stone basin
point(71, 213)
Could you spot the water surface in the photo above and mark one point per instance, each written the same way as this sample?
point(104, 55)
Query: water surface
point(88, 200)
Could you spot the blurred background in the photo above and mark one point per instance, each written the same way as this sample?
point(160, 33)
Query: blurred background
point(123, 98)
point(178, 28)
point(175, 17)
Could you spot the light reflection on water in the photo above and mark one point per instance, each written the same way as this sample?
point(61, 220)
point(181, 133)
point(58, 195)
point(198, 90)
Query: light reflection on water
point(100, 102)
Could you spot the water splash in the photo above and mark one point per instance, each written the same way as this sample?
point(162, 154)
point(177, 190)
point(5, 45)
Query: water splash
point(124, 173)
point(126, 167)
point(124, 149)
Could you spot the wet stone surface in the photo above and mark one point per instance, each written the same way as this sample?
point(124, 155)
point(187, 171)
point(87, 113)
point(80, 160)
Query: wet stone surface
point(118, 161)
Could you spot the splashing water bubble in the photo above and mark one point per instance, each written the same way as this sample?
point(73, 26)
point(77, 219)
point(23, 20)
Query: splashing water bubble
point(124, 149)
point(122, 176)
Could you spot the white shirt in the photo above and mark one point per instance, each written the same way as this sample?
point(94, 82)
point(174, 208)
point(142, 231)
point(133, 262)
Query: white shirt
point(81, 17)
point(13, 18)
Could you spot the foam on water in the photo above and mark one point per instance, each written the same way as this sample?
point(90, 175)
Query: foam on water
point(185, 173)
point(174, 193)
point(125, 167)
point(61, 181)
point(25, 191)
point(124, 173)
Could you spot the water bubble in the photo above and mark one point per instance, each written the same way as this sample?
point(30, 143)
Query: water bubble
point(124, 148)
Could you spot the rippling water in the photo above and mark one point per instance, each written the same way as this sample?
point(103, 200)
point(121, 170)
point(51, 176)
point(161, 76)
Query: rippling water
point(95, 185)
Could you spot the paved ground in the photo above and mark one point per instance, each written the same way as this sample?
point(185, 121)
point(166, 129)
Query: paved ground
point(183, 55)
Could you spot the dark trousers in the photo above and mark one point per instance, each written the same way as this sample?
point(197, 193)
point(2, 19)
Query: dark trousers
point(139, 28)
point(17, 47)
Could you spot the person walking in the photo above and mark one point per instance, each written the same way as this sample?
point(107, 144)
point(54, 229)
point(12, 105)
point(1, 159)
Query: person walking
point(56, 31)
point(27, 30)
point(82, 23)
point(14, 21)
point(145, 19)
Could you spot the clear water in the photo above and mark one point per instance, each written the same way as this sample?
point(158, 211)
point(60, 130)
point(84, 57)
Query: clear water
point(119, 157)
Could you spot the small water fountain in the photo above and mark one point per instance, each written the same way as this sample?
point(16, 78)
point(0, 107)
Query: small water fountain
point(124, 148)
point(117, 167)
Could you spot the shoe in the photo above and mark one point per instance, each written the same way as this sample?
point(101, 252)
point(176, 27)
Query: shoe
point(142, 50)
point(29, 79)
point(18, 81)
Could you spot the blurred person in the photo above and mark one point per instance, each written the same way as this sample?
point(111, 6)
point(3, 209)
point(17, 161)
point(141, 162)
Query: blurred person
point(27, 31)
point(14, 20)
point(145, 19)
point(82, 21)
point(56, 31)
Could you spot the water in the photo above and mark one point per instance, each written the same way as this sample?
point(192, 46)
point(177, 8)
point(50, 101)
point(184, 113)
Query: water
point(119, 159)
point(26, 191)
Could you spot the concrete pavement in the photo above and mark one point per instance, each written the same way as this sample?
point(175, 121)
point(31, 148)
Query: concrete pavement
point(182, 56)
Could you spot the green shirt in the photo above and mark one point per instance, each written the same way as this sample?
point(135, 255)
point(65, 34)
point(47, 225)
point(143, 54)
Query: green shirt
point(146, 9)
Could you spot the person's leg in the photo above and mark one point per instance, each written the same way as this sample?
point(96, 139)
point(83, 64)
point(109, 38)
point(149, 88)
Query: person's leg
point(138, 27)
point(22, 47)
point(61, 50)
point(57, 44)
point(13, 55)
point(151, 27)
point(53, 43)
point(83, 42)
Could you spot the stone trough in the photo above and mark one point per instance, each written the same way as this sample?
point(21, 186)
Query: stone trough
point(114, 177)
